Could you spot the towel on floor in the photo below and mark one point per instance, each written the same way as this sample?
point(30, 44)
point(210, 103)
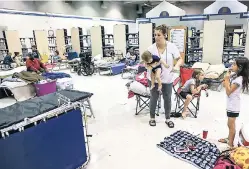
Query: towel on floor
point(203, 155)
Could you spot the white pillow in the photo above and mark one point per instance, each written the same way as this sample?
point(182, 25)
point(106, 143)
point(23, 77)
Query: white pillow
point(97, 57)
point(138, 88)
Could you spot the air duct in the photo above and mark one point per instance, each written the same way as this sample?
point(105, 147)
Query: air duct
point(139, 9)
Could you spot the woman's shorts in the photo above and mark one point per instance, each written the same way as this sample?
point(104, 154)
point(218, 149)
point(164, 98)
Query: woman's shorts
point(232, 114)
point(184, 94)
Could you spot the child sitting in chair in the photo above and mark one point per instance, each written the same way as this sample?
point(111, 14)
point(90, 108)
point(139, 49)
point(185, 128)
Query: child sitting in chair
point(8, 60)
point(153, 63)
point(191, 88)
point(18, 59)
point(56, 58)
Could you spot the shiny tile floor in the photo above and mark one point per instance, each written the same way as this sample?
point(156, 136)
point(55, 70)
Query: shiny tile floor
point(122, 140)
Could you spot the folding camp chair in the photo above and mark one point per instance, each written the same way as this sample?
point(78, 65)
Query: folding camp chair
point(144, 102)
point(185, 74)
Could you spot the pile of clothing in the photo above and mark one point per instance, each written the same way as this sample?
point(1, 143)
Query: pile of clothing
point(27, 81)
point(63, 80)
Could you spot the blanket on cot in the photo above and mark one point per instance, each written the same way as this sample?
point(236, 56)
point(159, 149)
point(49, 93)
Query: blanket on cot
point(55, 75)
point(203, 154)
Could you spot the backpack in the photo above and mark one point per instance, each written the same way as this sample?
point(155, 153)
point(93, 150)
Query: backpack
point(224, 162)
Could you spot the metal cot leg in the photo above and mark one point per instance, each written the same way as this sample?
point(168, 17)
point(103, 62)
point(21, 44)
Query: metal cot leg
point(90, 107)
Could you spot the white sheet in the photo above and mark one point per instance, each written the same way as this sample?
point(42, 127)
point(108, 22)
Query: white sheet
point(20, 90)
point(199, 65)
point(214, 71)
point(210, 71)
point(10, 72)
point(24, 92)
point(11, 85)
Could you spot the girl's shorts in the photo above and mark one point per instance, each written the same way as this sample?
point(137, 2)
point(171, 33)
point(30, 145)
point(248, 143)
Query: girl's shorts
point(184, 94)
point(232, 114)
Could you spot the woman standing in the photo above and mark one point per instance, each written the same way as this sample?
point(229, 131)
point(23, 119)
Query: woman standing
point(168, 52)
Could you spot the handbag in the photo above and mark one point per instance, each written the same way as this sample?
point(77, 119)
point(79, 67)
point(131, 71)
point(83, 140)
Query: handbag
point(224, 162)
point(240, 156)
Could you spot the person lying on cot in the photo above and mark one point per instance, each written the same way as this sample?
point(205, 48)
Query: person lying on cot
point(191, 88)
point(153, 63)
point(130, 57)
point(35, 65)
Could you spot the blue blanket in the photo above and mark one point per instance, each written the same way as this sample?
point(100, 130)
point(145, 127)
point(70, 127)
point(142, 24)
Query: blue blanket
point(203, 156)
point(57, 75)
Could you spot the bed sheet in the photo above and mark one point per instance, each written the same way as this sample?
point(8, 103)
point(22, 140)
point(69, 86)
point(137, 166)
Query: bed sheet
point(20, 90)
point(11, 85)
point(211, 71)
point(214, 71)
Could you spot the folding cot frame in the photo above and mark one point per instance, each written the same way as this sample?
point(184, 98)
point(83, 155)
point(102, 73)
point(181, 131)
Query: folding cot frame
point(71, 62)
point(114, 68)
point(215, 84)
point(86, 102)
point(65, 105)
point(144, 102)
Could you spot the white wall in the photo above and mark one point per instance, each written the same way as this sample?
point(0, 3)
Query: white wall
point(26, 22)
point(234, 5)
point(165, 6)
point(80, 8)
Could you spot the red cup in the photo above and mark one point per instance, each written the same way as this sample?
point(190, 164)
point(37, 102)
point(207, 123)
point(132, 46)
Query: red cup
point(204, 134)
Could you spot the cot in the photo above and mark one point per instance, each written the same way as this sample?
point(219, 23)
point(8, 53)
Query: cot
point(45, 132)
point(111, 68)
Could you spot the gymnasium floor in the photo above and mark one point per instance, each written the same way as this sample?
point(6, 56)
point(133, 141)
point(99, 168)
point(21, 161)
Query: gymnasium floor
point(122, 140)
